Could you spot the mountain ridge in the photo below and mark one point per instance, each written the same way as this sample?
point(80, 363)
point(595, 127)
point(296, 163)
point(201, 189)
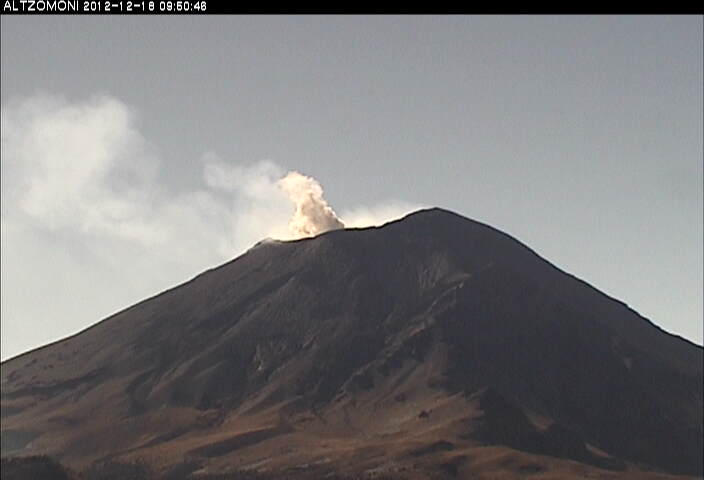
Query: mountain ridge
point(417, 212)
point(299, 339)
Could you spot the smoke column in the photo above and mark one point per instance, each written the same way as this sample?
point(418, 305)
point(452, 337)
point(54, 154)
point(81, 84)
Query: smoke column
point(313, 215)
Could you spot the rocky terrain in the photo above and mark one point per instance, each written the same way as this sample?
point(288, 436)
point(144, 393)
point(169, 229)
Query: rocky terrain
point(431, 347)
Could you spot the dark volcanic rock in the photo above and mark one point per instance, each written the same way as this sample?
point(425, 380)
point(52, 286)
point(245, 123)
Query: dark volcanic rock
point(34, 468)
point(309, 322)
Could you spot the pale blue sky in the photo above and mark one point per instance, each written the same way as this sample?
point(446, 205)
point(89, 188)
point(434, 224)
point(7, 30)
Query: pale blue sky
point(580, 136)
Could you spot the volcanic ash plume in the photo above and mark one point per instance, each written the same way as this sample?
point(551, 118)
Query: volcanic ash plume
point(313, 215)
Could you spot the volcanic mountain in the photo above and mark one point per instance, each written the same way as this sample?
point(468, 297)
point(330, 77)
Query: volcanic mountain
point(431, 347)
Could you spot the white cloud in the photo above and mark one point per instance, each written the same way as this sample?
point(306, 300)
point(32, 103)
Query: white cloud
point(78, 166)
point(376, 215)
point(313, 215)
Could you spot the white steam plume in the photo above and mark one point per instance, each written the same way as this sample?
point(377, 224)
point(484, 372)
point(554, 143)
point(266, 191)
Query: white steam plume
point(313, 215)
point(90, 223)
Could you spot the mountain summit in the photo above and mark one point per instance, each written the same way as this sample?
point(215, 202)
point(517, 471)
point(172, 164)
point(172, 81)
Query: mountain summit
point(433, 345)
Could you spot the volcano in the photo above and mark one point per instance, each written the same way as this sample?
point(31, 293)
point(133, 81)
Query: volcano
point(431, 347)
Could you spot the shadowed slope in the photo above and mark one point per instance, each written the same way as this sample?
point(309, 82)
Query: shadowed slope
point(349, 337)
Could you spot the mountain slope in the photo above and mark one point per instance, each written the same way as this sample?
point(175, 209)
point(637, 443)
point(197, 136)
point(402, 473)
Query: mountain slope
point(415, 345)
